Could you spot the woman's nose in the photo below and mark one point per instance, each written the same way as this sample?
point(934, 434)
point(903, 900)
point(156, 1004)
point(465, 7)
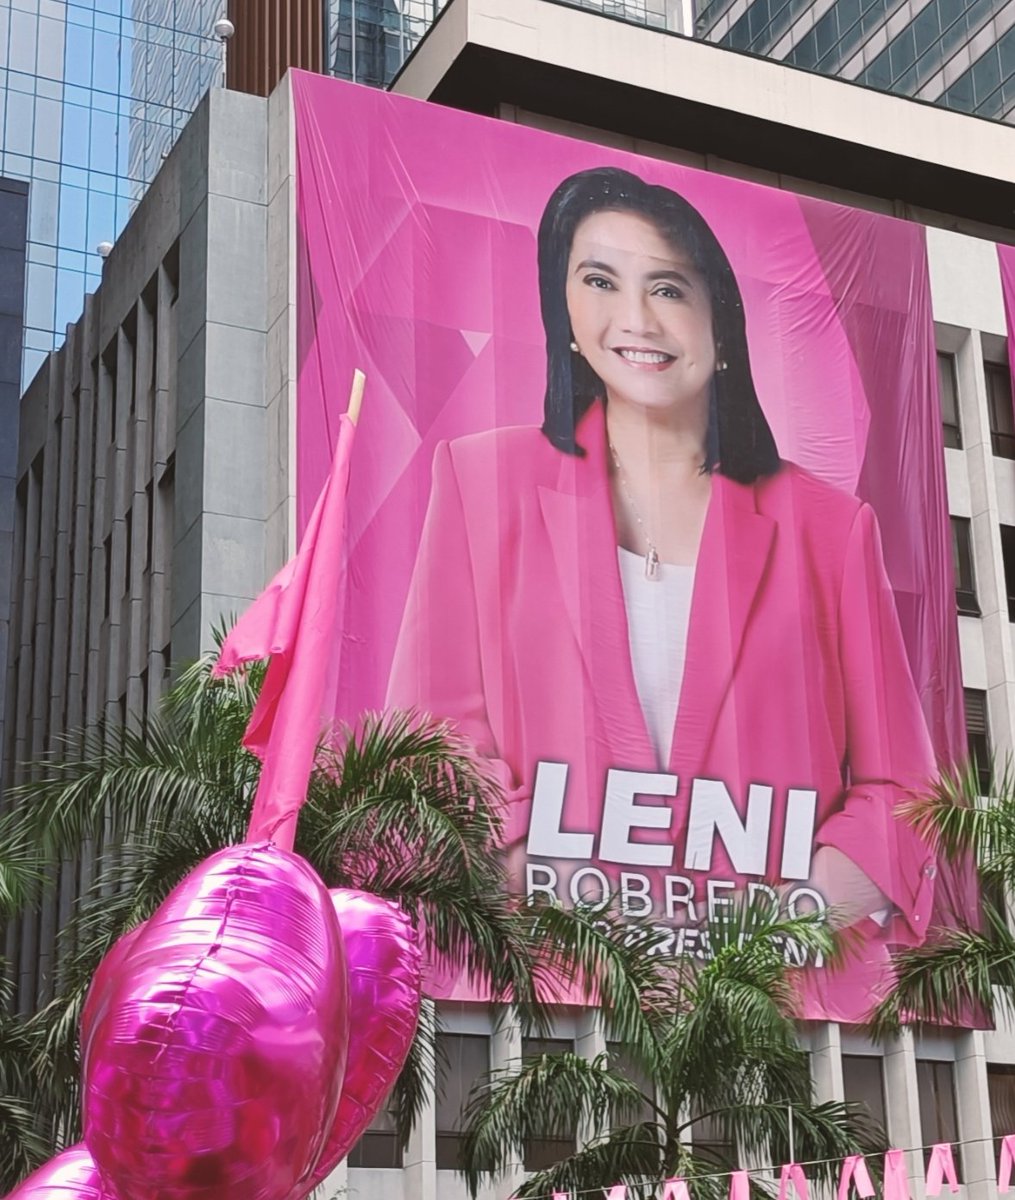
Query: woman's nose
point(637, 315)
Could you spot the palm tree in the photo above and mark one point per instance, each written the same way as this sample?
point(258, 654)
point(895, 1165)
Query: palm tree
point(962, 969)
point(397, 806)
point(705, 1044)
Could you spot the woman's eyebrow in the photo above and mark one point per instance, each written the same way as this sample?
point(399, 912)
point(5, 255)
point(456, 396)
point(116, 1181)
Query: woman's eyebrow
point(671, 273)
point(593, 264)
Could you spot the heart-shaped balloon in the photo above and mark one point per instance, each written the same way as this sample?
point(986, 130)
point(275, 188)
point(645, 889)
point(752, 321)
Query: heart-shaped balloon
point(382, 952)
point(214, 1050)
point(72, 1175)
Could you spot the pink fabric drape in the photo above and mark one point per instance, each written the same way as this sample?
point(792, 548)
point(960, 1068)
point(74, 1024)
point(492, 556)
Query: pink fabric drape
point(675, 1189)
point(941, 1167)
point(896, 1185)
point(295, 622)
point(793, 1179)
point(854, 1170)
point(740, 1186)
point(1006, 1163)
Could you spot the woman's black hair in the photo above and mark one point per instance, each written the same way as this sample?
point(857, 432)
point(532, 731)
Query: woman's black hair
point(739, 442)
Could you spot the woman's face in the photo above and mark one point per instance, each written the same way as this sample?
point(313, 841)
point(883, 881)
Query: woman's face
point(641, 314)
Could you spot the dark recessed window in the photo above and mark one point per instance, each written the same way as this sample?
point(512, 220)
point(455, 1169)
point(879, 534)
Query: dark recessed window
point(543, 1152)
point(1002, 419)
point(962, 556)
point(935, 1081)
point(948, 388)
point(978, 737)
point(1008, 557)
point(863, 1083)
point(378, 1147)
point(1001, 1086)
point(465, 1058)
point(623, 1064)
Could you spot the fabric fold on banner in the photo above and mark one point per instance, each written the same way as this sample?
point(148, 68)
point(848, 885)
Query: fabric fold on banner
point(793, 1178)
point(896, 1182)
point(941, 1167)
point(1006, 1163)
point(854, 1170)
point(294, 622)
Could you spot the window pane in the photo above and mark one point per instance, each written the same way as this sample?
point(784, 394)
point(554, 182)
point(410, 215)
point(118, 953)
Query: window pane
point(962, 557)
point(378, 1147)
point(938, 1120)
point(863, 1083)
point(999, 404)
point(948, 390)
point(1001, 1086)
point(546, 1151)
point(466, 1058)
point(978, 736)
point(626, 1067)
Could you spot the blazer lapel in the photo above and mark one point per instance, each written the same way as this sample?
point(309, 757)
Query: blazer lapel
point(578, 516)
point(736, 546)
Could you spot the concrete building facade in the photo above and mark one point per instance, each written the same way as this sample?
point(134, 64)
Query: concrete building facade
point(156, 469)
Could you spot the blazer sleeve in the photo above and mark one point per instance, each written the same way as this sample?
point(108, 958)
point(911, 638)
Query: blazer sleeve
point(438, 665)
point(889, 752)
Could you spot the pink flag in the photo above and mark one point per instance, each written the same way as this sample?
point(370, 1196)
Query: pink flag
point(896, 1185)
point(941, 1166)
point(295, 622)
point(793, 1174)
point(1007, 1159)
point(561, 1196)
point(854, 1170)
point(617, 1192)
point(675, 1189)
point(740, 1186)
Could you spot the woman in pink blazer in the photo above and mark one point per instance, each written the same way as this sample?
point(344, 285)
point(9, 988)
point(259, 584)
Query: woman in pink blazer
point(680, 654)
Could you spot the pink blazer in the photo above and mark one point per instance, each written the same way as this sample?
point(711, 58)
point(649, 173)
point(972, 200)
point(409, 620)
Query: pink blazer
point(795, 675)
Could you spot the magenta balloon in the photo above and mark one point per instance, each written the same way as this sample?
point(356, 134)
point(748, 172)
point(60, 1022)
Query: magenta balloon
point(382, 951)
point(214, 1056)
point(72, 1175)
point(105, 974)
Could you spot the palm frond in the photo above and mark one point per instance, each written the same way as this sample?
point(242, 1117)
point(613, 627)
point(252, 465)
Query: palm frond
point(630, 1155)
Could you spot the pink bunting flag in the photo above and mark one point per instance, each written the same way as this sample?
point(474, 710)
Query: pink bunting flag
point(561, 1196)
point(740, 1186)
point(675, 1189)
point(854, 1170)
point(896, 1183)
point(793, 1177)
point(617, 1192)
point(941, 1167)
point(295, 623)
point(1007, 1160)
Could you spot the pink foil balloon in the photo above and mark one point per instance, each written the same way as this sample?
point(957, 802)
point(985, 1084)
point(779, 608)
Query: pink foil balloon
point(383, 954)
point(214, 1054)
point(106, 974)
point(72, 1175)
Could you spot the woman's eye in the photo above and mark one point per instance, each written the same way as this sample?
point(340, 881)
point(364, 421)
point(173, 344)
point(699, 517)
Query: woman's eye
point(599, 281)
point(669, 291)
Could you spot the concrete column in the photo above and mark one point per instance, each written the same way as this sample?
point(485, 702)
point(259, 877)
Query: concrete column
point(420, 1173)
point(589, 1043)
point(506, 1054)
point(902, 1101)
point(826, 1062)
point(972, 1101)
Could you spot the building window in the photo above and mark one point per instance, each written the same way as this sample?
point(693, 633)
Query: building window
point(962, 557)
point(999, 407)
point(465, 1058)
point(1008, 557)
point(543, 1152)
point(978, 737)
point(378, 1147)
point(1001, 1086)
point(624, 1065)
point(938, 1120)
point(948, 389)
point(863, 1082)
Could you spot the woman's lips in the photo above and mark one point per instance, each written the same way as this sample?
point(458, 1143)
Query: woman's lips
point(643, 359)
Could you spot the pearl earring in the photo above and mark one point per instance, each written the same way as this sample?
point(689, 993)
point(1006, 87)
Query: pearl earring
point(721, 365)
point(574, 348)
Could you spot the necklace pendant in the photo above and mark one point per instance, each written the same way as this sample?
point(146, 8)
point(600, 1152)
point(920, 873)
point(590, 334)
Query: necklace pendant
point(652, 564)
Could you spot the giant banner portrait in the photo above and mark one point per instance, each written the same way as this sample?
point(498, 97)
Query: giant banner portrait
point(648, 501)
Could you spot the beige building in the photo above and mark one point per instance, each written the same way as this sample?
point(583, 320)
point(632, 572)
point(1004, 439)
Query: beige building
point(155, 477)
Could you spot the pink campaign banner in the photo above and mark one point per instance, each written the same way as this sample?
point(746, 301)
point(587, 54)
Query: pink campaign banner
point(648, 499)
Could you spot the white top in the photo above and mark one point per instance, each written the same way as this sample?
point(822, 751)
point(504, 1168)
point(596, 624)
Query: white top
point(658, 611)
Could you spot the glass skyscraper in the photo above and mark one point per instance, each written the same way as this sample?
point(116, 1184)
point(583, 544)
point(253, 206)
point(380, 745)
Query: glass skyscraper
point(92, 93)
point(959, 53)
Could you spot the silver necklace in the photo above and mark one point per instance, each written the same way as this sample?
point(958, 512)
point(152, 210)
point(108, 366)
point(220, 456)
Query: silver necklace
point(651, 554)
